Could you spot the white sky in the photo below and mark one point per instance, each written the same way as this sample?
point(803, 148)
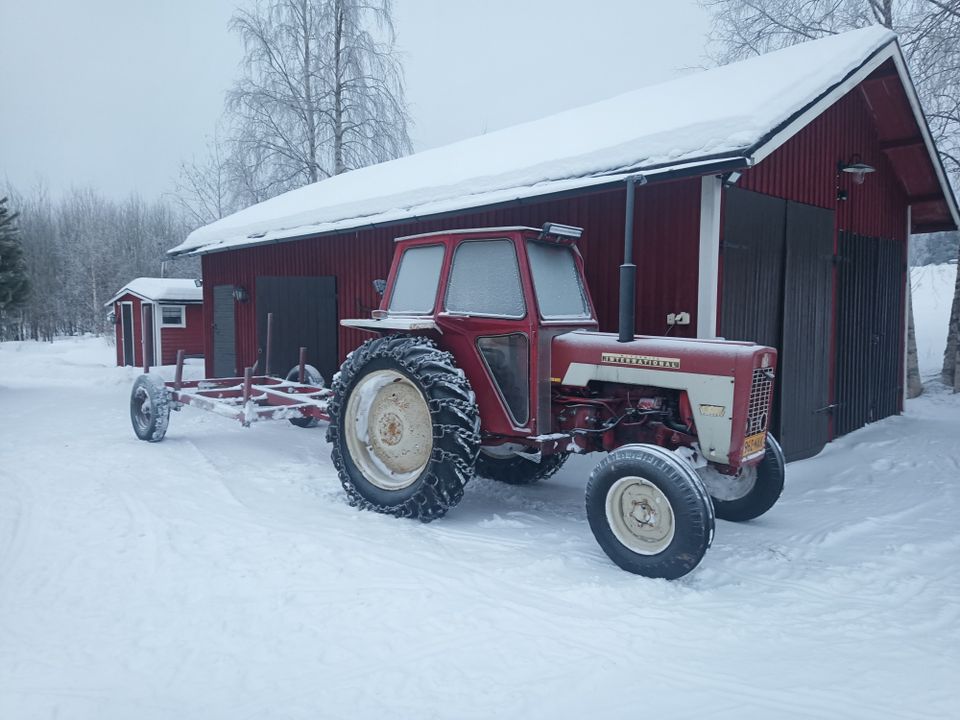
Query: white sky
point(115, 93)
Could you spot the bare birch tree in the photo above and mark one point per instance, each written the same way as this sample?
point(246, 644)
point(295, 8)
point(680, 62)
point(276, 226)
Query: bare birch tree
point(321, 93)
point(205, 188)
point(929, 32)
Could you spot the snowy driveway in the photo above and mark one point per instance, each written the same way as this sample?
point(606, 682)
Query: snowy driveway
point(221, 574)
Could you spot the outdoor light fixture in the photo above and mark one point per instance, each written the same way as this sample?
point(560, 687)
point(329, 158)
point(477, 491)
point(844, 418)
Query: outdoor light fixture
point(731, 178)
point(240, 294)
point(856, 167)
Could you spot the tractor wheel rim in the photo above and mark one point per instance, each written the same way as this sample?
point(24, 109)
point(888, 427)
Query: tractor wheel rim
point(727, 488)
point(143, 408)
point(640, 515)
point(389, 429)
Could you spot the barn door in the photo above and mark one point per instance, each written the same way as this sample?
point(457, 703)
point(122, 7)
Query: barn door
point(753, 262)
point(777, 291)
point(304, 314)
point(126, 323)
point(149, 333)
point(224, 332)
point(869, 382)
point(805, 349)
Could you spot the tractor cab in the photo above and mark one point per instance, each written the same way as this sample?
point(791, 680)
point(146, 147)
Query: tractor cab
point(495, 298)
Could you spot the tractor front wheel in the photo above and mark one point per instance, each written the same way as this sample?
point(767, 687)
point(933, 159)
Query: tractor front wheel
point(752, 491)
point(650, 512)
point(404, 428)
point(149, 408)
point(516, 469)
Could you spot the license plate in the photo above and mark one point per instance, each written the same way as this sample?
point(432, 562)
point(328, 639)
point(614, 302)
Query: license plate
point(754, 444)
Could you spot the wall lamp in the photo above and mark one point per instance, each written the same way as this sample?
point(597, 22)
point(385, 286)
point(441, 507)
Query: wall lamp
point(856, 167)
point(240, 294)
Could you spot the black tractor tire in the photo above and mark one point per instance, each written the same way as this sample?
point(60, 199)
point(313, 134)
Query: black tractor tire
point(443, 398)
point(518, 470)
point(765, 492)
point(311, 376)
point(149, 408)
point(675, 524)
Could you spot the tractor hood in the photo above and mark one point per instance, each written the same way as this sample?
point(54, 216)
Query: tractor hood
point(729, 383)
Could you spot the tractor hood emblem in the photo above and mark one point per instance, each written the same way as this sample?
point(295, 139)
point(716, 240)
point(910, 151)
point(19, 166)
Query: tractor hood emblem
point(650, 361)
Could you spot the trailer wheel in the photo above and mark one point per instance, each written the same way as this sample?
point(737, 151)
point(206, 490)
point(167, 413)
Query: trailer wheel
point(649, 511)
point(404, 428)
point(311, 376)
point(149, 408)
point(516, 469)
point(752, 491)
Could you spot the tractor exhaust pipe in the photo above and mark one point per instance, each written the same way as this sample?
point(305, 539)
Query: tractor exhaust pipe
point(628, 272)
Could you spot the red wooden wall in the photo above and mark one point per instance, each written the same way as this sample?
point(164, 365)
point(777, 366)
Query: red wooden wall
point(189, 338)
point(666, 249)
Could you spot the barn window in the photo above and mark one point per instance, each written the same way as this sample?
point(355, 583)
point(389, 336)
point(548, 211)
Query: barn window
point(173, 316)
point(415, 289)
point(485, 280)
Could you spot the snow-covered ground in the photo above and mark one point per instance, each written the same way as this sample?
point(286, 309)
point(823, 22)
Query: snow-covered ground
point(221, 574)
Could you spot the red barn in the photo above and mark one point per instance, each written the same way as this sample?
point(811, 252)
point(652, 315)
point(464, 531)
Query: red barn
point(774, 202)
point(155, 317)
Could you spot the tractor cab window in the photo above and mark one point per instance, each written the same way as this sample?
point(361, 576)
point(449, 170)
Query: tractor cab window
point(415, 289)
point(485, 280)
point(557, 282)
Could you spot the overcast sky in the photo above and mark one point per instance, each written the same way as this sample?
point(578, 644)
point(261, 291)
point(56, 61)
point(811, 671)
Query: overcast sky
point(115, 93)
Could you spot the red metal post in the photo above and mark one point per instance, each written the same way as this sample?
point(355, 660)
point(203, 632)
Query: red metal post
point(269, 365)
point(247, 383)
point(178, 377)
point(303, 365)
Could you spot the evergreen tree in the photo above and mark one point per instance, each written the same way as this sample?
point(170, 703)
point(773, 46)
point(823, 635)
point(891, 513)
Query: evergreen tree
point(13, 270)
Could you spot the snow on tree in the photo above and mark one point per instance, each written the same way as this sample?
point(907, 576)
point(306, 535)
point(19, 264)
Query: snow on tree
point(929, 32)
point(14, 286)
point(321, 93)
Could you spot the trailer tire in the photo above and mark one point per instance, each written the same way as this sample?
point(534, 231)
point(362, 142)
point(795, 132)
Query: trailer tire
point(518, 470)
point(425, 433)
point(674, 527)
point(311, 376)
point(758, 495)
point(149, 408)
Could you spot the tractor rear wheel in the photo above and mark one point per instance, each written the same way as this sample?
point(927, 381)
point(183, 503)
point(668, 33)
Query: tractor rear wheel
point(311, 376)
point(649, 511)
point(516, 469)
point(404, 428)
point(752, 491)
point(149, 408)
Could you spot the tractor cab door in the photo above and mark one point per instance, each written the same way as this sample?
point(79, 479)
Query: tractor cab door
point(487, 321)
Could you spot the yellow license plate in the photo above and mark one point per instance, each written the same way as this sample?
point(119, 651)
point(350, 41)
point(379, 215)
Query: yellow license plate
point(754, 444)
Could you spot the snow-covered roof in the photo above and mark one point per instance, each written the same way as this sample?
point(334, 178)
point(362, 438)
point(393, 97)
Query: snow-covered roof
point(738, 113)
point(162, 290)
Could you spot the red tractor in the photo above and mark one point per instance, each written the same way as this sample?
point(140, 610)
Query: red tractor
point(488, 361)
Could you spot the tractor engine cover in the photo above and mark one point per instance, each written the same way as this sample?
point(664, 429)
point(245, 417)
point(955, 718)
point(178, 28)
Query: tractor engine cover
point(729, 384)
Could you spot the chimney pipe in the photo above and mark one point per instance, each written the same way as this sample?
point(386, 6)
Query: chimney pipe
point(628, 272)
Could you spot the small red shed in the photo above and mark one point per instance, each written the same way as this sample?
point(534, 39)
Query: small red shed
point(775, 198)
point(155, 317)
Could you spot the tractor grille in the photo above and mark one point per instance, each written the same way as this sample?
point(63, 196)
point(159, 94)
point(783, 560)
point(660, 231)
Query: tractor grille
point(758, 411)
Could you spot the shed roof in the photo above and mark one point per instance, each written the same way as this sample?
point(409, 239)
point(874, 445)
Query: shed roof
point(162, 290)
point(726, 117)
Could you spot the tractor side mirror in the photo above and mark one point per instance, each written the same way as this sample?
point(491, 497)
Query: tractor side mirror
point(380, 285)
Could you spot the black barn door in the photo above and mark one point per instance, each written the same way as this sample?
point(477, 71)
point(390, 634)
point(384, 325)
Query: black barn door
point(126, 318)
point(304, 314)
point(224, 332)
point(869, 330)
point(805, 350)
point(777, 291)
